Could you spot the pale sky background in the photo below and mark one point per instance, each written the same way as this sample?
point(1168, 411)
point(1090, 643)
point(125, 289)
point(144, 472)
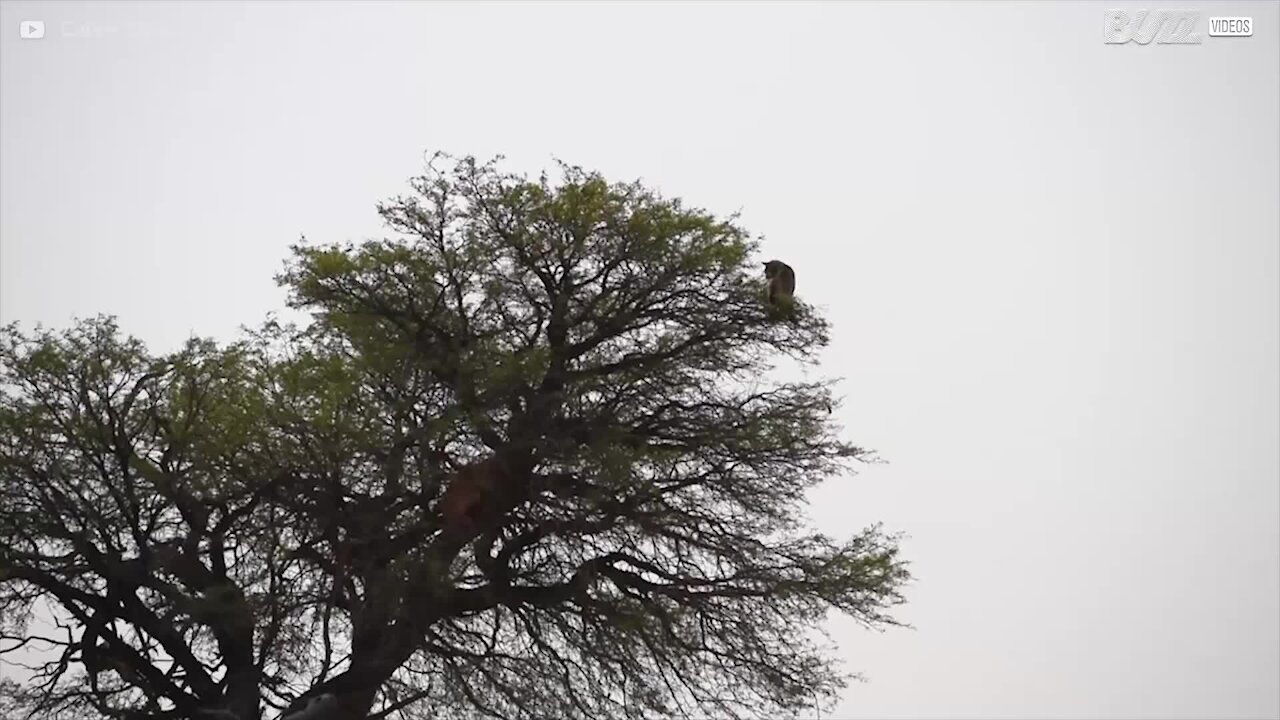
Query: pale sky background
point(1053, 266)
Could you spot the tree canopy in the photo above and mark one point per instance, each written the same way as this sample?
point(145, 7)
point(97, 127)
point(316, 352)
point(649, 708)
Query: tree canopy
point(233, 529)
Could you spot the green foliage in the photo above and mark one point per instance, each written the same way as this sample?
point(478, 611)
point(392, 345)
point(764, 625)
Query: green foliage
point(266, 513)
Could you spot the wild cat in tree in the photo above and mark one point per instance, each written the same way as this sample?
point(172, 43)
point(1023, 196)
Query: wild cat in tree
point(479, 493)
point(779, 286)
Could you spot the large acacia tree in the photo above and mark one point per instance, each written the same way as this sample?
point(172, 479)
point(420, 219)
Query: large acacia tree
point(231, 531)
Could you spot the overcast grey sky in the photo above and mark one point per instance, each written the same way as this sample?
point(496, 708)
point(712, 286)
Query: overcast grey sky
point(1053, 266)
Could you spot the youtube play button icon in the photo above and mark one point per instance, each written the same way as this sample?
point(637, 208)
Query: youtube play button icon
point(31, 29)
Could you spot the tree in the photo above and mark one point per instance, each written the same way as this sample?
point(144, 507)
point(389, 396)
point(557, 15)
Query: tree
point(234, 531)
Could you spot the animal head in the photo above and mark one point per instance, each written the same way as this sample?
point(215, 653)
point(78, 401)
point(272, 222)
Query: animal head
point(773, 268)
point(478, 493)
